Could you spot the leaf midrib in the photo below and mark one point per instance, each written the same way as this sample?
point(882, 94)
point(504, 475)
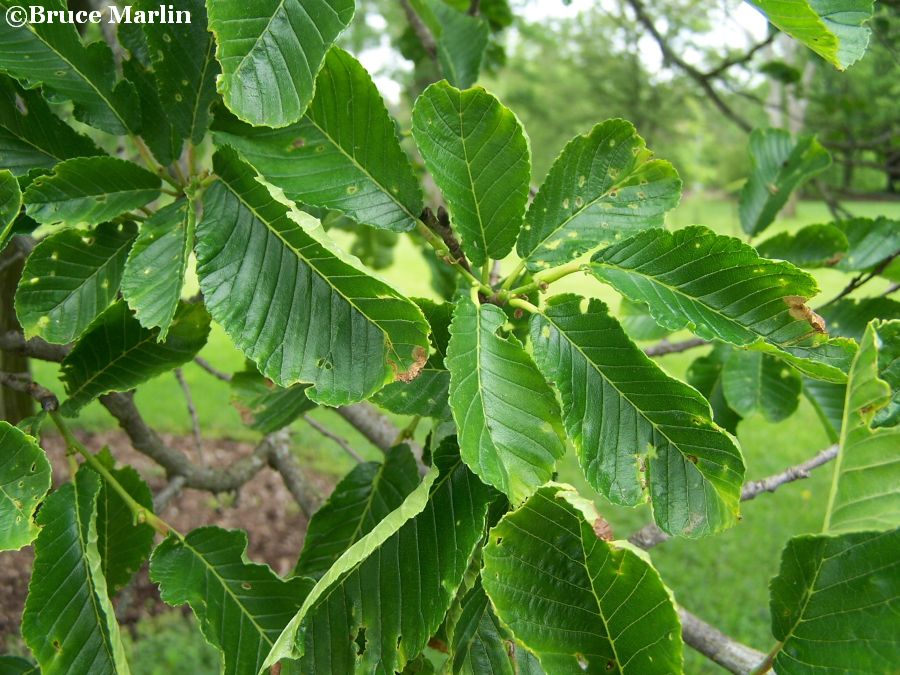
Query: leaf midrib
point(388, 343)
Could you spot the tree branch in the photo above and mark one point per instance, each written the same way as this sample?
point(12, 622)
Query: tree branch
point(295, 480)
point(23, 383)
point(861, 279)
point(192, 411)
point(699, 77)
point(420, 29)
point(378, 429)
point(211, 369)
point(650, 535)
point(734, 656)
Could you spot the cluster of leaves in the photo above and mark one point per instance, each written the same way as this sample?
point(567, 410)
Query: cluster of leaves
point(485, 556)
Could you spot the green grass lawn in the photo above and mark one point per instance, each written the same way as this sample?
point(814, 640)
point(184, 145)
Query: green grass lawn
point(723, 579)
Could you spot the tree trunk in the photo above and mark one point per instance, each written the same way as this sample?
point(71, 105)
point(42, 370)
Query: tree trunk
point(14, 406)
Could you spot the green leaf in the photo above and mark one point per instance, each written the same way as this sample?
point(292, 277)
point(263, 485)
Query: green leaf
point(755, 382)
point(637, 321)
point(116, 353)
point(343, 154)
point(780, 165)
point(264, 406)
point(602, 187)
point(461, 40)
point(719, 288)
point(834, 603)
point(70, 278)
point(69, 623)
point(579, 603)
point(810, 247)
point(271, 51)
point(478, 154)
point(275, 318)
point(848, 317)
point(90, 190)
point(156, 266)
point(481, 645)
point(51, 55)
point(14, 665)
point(124, 544)
point(428, 394)
point(863, 493)
point(889, 371)
point(834, 29)
point(871, 242)
point(10, 204)
point(510, 433)
point(31, 136)
point(160, 136)
point(705, 375)
point(24, 480)
point(184, 62)
point(363, 498)
point(627, 417)
point(827, 399)
point(408, 563)
point(242, 607)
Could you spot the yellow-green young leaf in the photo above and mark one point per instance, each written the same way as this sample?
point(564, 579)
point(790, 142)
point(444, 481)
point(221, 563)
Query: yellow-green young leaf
point(90, 190)
point(635, 428)
point(124, 544)
point(755, 382)
point(263, 405)
point(780, 165)
point(116, 353)
point(834, 29)
point(864, 493)
point(363, 498)
point(581, 604)
point(343, 154)
point(183, 56)
point(478, 154)
point(70, 278)
point(271, 51)
point(31, 135)
point(602, 187)
point(155, 269)
point(834, 604)
point(406, 561)
point(461, 40)
point(10, 204)
point(52, 55)
point(69, 622)
point(721, 289)
point(24, 480)
point(271, 277)
point(481, 645)
point(871, 242)
point(810, 247)
point(241, 607)
point(507, 417)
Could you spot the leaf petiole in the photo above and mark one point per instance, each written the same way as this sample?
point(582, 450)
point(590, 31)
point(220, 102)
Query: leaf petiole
point(141, 513)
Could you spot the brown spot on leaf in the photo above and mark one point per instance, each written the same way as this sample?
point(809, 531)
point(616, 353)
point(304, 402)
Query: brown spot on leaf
point(801, 312)
point(420, 356)
point(603, 529)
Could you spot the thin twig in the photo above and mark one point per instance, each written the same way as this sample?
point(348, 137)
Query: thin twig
point(862, 279)
point(666, 347)
point(295, 480)
point(327, 433)
point(192, 411)
point(650, 535)
point(171, 490)
point(420, 29)
point(378, 429)
point(211, 369)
